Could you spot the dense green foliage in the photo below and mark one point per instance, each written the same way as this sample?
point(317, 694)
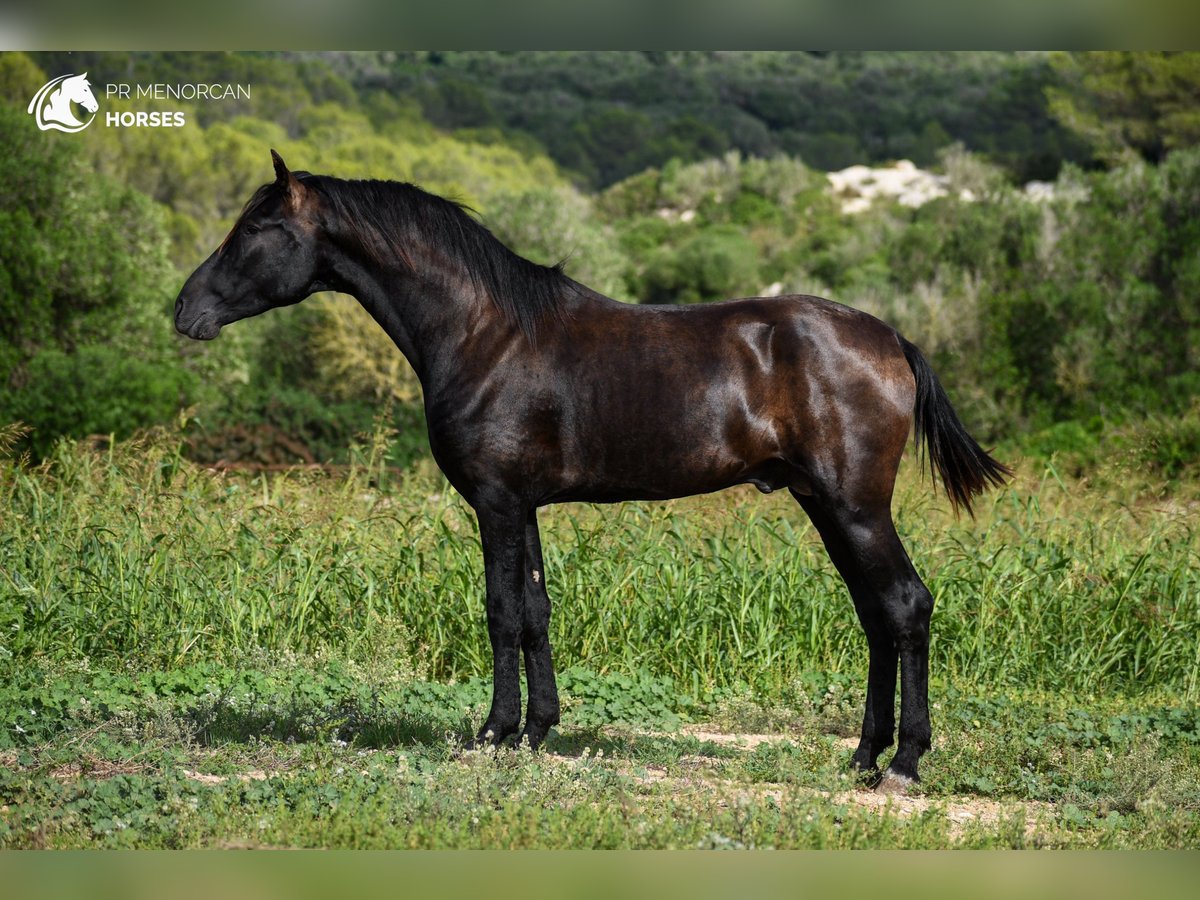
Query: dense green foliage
point(1068, 320)
point(608, 116)
point(1085, 308)
point(1126, 102)
point(85, 344)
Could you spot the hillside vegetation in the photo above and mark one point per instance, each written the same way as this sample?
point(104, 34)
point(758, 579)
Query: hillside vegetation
point(1060, 324)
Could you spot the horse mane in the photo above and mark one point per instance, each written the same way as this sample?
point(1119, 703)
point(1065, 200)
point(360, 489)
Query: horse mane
point(385, 217)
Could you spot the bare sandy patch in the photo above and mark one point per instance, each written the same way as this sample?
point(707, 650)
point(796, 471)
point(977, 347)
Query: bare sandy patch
point(961, 811)
point(697, 777)
point(205, 778)
point(750, 741)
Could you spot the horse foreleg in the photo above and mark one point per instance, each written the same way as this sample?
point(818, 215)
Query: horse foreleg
point(502, 533)
point(543, 711)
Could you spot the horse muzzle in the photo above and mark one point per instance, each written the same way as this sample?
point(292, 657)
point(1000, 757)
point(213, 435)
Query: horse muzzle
point(201, 329)
point(201, 326)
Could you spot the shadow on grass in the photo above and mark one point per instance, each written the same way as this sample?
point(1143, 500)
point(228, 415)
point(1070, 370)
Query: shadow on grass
point(645, 748)
point(378, 728)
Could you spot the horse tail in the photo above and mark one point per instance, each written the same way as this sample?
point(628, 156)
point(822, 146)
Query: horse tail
point(966, 469)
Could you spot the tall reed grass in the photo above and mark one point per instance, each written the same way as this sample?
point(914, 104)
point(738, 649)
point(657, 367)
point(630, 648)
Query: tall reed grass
point(134, 554)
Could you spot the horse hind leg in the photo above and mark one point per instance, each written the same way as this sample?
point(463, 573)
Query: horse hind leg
point(879, 723)
point(894, 607)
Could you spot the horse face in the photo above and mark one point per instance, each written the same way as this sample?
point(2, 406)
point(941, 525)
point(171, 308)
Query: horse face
point(269, 259)
point(79, 90)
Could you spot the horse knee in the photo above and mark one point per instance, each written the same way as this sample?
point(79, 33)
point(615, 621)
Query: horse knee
point(536, 625)
point(908, 612)
point(537, 614)
point(535, 640)
point(505, 632)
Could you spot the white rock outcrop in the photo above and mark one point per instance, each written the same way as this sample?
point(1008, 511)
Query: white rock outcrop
point(859, 187)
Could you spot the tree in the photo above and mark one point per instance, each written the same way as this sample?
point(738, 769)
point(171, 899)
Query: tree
point(1129, 103)
point(85, 294)
point(20, 78)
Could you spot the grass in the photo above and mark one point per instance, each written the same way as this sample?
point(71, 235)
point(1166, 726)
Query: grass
point(192, 659)
point(312, 752)
point(136, 552)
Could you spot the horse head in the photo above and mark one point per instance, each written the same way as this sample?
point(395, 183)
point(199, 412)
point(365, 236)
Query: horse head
point(77, 89)
point(51, 106)
point(270, 258)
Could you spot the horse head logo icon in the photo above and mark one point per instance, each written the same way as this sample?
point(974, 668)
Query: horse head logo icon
point(51, 106)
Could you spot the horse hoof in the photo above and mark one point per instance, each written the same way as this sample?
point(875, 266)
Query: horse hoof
point(533, 736)
point(894, 783)
point(473, 748)
point(865, 778)
point(484, 741)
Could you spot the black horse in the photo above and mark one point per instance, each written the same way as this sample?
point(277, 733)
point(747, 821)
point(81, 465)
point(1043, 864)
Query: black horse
point(539, 390)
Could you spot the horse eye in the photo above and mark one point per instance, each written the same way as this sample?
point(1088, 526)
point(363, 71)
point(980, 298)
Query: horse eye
point(253, 229)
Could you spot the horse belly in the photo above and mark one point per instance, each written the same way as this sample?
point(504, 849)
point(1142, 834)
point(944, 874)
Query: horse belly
point(661, 454)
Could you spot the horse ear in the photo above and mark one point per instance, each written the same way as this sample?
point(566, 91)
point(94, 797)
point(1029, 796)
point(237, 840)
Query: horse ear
point(292, 188)
point(281, 170)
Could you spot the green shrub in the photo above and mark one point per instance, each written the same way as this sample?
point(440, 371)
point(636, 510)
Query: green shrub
point(327, 429)
point(1080, 448)
point(712, 265)
point(1167, 446)
point(97, 389)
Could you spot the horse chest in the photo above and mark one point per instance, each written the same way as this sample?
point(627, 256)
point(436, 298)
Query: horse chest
point(518, 445)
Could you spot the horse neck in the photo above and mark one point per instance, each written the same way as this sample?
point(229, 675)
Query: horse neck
point(433, 311)
point(60, 105)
